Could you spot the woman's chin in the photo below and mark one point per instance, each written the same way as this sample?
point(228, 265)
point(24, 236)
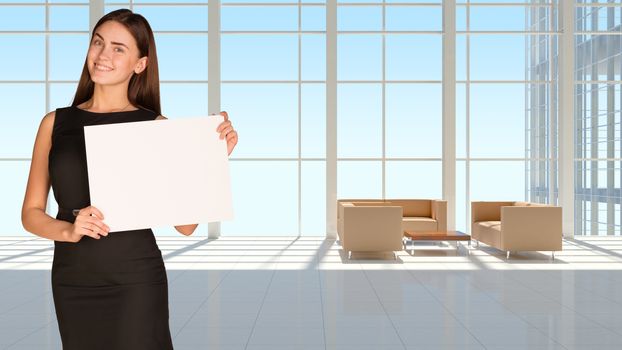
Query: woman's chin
point(102, 80)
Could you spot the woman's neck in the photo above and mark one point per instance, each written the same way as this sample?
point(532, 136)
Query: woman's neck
point(108, 99)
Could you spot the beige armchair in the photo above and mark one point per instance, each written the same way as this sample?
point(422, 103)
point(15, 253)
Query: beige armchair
point(369, 227)
point(517, 226)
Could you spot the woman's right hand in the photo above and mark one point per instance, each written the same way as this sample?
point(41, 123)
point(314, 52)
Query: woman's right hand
point(88, 223)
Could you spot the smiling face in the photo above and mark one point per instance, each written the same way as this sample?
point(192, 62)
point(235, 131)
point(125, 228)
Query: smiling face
point(113, 56)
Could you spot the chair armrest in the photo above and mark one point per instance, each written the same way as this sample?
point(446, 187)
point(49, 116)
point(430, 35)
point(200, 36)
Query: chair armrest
point(340, 206)
point(531, 228)
point(439, 213)
point(340, 213)
point(487, 211)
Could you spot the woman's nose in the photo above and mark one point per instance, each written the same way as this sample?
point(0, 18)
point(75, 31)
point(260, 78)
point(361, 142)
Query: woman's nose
point(104, 52)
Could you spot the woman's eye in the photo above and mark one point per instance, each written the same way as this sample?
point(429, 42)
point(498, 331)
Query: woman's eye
point(118, 49)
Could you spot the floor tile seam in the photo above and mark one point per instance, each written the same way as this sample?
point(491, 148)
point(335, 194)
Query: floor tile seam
point(26, 302)
point(319, 278)
point(448, 311)
point(481, 288)
point(607, 327)
point(186, 270)
point(541, 331)
point(274, 269)
point(542, 294)
point(176, 277)
point(19, 283)
point(260, 308)
point(206, 299)
point(29, 334)
point(591, 292)
point(384, 309)
point(180, 274)
point(518, 315)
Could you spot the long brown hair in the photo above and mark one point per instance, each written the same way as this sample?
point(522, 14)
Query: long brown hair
point(144, 88)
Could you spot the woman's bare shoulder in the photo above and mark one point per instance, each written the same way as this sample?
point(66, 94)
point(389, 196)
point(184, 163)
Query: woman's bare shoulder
point(47, 123)
point(46, 127)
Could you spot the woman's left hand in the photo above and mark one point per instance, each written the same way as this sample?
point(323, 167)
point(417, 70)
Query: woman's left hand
point(226, 131)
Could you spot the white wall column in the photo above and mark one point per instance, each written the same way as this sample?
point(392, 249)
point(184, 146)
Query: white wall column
point(213, 71)
point(331, 119)
point(449, 110)
point(566, 170)
point(96, 11)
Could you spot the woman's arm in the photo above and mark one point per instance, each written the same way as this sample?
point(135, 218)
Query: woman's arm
point(34, 218)
point(186, 230)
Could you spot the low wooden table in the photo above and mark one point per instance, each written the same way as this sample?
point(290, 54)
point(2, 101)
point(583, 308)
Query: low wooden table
point(456, 236)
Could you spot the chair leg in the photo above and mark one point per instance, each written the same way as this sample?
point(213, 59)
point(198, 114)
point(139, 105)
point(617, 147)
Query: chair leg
point(553, 255)
point(507, 255)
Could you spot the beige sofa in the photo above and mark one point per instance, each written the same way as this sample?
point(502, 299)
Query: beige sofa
point(517, 226)
point(417, 214)
point(366, 225)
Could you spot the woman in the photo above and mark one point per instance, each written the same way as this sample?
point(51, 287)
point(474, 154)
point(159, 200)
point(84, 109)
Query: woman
point(109, 293)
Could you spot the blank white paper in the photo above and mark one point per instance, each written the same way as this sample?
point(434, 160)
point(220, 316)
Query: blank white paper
point(159, 173)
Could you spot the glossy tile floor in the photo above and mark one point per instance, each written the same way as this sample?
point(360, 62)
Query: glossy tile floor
point(301, 293)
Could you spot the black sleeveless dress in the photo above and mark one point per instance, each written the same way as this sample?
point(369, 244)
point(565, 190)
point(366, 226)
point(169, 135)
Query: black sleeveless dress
point(109, 293)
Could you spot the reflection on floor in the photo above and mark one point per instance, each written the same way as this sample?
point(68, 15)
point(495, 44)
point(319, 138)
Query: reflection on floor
point(302, 293)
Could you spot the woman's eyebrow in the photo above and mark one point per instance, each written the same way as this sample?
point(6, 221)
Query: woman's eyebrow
point(113, 42)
